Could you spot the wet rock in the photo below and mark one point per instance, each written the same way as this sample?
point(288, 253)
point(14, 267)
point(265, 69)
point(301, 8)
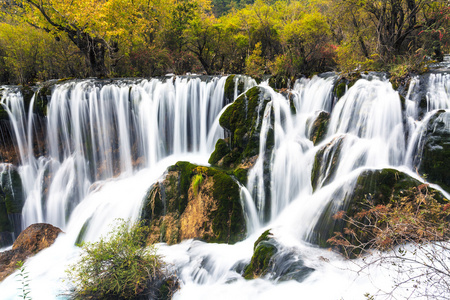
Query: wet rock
point(434, 161)
point(11, 203)
point(33, 239)
point(319, 127)
point(194, 201)
point(271, 260)
point(372, 188)
point(279, 82)
point(325, 163)
point(263, 251)
point(242, 123)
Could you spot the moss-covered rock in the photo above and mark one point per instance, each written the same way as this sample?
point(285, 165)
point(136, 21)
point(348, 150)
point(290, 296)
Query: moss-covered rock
point(242, 123)
point(263, 251)
point(345, 82)
point(194, 202)
point(434, 161)
point(42, 98)
point(325, 163)
point(372, 188)
point(269, 260)
point(229, 89)
point(11, 203)
point(279, 82)
point(319, 127)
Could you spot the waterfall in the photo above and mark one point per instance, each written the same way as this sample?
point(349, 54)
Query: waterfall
point(108, 141)
point(96, 131)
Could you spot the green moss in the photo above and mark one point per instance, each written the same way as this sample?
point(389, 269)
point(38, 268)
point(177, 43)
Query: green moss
point(228, 221)
point(5, 224)
point(378, 187)
point(279, 82)
point(435, 157)
point(220, 151)
point(240, 120)
point(42, 99)
point(319, 128)
point(229, 89)
point(3, 113)
point(265, 236)
point(241, 175)
point(82, 233)
point(328, 165)
point(340, 89)
point(263, 251)
point(27, 94)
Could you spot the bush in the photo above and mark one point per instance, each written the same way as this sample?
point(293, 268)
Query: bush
point(121, 267)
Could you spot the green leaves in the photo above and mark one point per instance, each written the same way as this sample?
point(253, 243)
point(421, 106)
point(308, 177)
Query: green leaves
point(119, 265)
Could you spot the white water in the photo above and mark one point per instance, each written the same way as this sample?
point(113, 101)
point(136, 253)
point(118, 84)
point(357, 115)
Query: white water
point(150, 125)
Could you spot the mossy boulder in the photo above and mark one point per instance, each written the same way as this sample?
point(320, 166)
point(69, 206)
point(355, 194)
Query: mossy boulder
point(271, 260)
point(325, 163)
point(263, 251)
point(42, 98)
point(319, 127)
point(194, 202)
point(372, 188)
point(279, 82)
point(345, 82)
point(11, 204)
point(434, 161)
point(230, 87)
point(242, 122)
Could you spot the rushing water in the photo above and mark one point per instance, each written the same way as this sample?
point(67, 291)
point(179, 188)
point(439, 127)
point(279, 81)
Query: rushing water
point(108, 142)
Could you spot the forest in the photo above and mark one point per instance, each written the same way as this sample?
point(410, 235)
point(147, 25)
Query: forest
point(50, 39)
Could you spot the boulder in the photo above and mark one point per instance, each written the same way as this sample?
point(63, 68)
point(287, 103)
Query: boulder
point(193, 201)
point(271, 260)
point(33, 239)
point(434, 160)
point(325, 163)
point(11, 204)
point(263, 251)
point(319, 127)
point(373, 188)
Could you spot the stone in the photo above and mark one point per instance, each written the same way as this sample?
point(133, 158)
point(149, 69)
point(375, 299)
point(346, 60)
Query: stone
point(33, 239)
point(194, 201)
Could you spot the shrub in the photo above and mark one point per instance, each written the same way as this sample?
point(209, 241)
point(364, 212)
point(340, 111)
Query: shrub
point(121, 267)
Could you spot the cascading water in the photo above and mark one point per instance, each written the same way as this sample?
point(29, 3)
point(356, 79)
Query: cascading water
point(108, 142)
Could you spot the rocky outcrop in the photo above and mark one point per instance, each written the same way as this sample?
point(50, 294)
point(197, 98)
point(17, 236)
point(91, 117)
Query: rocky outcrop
point(319, 127)
point(434, 161)
point(280, 82)
point(373, 189)
point(270, 260)
point(325, 163)
point(263, 251)
point(11, 204)
point(32, 240)
point(194, 201)
point(242, 120)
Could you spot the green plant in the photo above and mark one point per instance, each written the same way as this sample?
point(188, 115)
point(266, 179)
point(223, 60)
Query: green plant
point(120, 266)
point(24, 280)
point(196, 182)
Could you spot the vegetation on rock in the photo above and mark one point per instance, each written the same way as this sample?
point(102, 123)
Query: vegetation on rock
point(434, 160)
point(194, 202)
point(263, 251)
point(121, 266)
point(386, 208)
